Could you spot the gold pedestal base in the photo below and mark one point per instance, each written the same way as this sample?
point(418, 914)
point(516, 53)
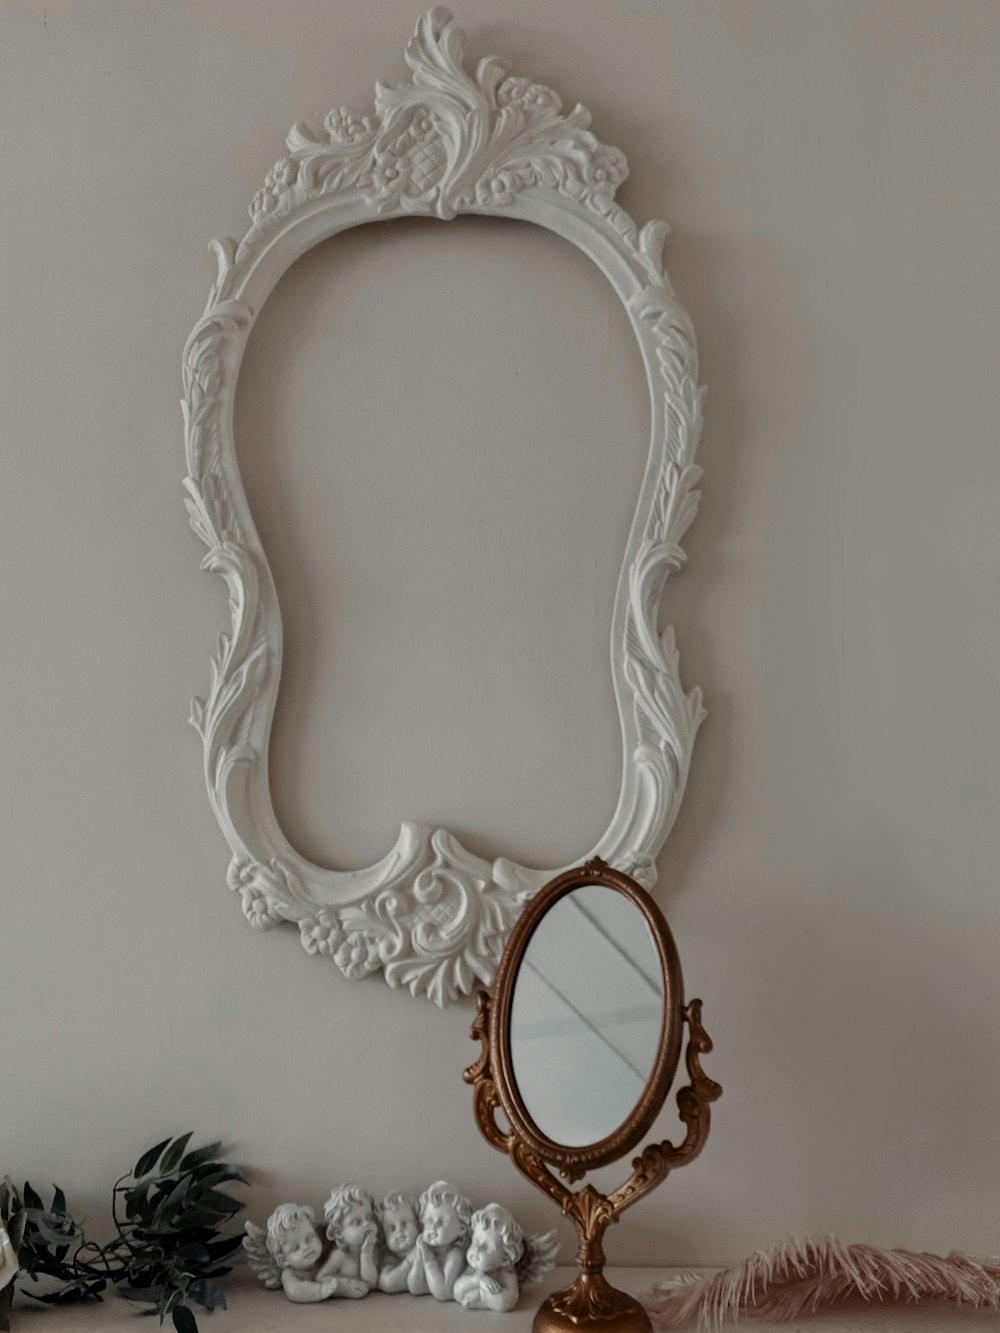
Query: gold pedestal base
point(591, 1303)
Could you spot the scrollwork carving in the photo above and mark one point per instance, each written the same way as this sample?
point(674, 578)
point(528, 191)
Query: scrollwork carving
point(430, 915)
point(591, 1299)
point(694, 1102)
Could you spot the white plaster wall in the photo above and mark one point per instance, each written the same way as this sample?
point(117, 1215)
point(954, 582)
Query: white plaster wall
point(442, 434)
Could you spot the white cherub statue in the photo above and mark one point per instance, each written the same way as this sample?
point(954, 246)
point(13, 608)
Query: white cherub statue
point(501, 1260)
point(353, 1228)
point(444, 1233)
point(287, 1253)
point(397, 1214)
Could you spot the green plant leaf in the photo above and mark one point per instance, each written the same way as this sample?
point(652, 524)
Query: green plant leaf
point(200, 1156)
point(219, 1249)
point(217, 1202)
point(207, 1293)
point(58, 1200)
point(175, 1152)
point(216, 1173)
point(137, 1201)
point(77, 1290)
point(193, 1250)
point(201, 1219)
point(138, 1293)
point(170, 1204)
point(148, 1160)
point(6, 1297)
point(50, 1228)
point(31, 1199)
point(184, 1320)
point(159, 1190)
point(15, 1228)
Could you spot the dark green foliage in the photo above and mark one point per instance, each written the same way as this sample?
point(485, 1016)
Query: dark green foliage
point(166, 1252)
point(48, 1243)
point(167, 1215)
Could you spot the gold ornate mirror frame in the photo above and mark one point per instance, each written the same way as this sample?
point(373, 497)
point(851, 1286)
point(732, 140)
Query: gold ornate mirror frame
point(591, 1301)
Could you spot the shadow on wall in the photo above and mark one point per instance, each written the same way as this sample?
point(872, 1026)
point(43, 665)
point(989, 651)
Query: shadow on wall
point(710, 279)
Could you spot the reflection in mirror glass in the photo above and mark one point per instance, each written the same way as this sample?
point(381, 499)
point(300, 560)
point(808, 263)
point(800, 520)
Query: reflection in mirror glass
point(586, 1016)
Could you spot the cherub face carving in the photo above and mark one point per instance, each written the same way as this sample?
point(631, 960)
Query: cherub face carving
point(401, 1228)
point(486, 1251)
point(442, 1225)
point(356, 1224)
point(303, 1248)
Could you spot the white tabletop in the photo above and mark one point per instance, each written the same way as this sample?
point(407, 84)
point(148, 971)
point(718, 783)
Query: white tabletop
point(252, 1309)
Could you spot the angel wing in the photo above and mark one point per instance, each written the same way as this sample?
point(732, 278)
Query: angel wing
point(537, 1257)
point(260, 1258)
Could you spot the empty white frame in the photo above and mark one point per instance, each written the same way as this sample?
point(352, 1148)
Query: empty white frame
point(431, 915)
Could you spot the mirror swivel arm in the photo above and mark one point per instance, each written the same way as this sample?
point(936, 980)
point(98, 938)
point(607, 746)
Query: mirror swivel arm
point(591, 1299)
point(694, 1101)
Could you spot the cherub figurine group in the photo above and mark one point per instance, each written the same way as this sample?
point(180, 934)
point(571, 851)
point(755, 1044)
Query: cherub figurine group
point(435, 1245)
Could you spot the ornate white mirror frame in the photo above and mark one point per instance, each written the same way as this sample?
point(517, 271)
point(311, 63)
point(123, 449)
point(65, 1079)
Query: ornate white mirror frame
point(433, 916)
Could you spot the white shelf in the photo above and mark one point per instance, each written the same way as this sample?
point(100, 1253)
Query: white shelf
point(254, 1310)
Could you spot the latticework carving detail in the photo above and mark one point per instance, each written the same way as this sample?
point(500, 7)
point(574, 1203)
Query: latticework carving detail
point(430, 915)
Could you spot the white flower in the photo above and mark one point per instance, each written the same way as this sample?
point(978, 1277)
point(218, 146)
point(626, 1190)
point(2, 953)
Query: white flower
point(606, 170)
point(321, 933)
point(262, 203)
point(8, 1259)
point(390, 173)
point(257, 909)
point(527, 95)
point(498, 189)
point(358, 955)
point(250, 880)
point(241, 874)
point(642, 868)
point(281, 175)
point(346, 126)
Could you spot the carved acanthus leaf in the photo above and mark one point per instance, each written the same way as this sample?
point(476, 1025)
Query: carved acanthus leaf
point(590, 1210)
point(431, 916)
point(444, 142)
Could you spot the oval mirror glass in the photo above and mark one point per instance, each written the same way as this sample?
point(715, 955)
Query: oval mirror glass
point(587, 1016)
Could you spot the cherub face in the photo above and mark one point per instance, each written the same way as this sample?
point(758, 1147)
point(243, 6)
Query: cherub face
point(355, 1225)
point(486, 1251)
point(303, 1248)
point(401, 1229)
point(442, 1225)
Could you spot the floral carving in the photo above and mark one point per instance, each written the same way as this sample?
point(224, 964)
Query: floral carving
point(322, 934)
point(358, 955)
point(258, 892)
point(606, 170)
point(430, 915)
point(261, 914)
point(346, 126)
point(447, 139)
point(527, 96)
point(591, 1299)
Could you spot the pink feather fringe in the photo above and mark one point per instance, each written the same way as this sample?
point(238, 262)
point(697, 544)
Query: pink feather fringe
point(800, 1277)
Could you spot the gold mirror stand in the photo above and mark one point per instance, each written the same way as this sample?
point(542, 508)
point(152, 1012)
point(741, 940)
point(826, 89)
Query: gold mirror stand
point(592, 1301)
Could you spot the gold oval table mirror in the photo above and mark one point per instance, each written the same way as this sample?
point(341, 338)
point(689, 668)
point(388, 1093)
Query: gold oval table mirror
point(581, 1041)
